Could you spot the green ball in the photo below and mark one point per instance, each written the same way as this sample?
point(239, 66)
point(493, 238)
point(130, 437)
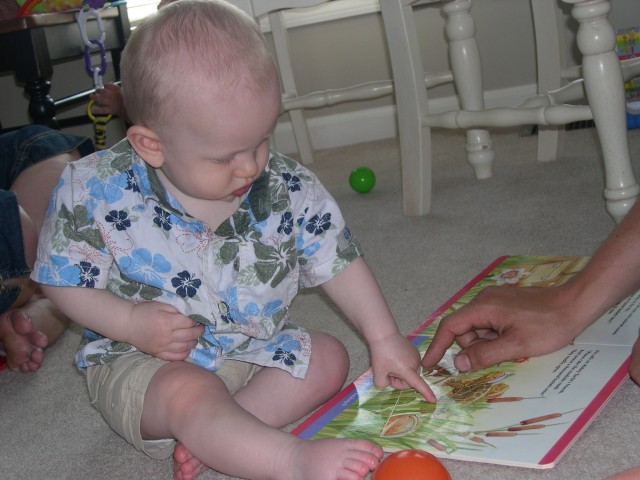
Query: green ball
point(362, 179)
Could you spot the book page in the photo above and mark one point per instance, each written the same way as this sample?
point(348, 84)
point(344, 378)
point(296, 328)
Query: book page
point(618, 326)
point(524, 413)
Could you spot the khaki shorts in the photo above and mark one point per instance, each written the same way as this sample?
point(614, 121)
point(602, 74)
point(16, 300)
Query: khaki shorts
point(117, 391)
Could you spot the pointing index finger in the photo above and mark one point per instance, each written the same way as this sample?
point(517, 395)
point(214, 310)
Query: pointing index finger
point(418, 383)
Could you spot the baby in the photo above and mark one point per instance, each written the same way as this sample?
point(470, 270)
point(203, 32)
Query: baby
point(181, 249)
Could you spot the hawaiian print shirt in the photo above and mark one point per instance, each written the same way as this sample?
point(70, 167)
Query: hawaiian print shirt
point(111, 224)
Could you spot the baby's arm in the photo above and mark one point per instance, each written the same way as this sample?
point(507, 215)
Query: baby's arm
point(394, 359)
point(153, 327)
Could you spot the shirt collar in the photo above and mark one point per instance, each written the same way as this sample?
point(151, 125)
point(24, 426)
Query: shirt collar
point(258, 200)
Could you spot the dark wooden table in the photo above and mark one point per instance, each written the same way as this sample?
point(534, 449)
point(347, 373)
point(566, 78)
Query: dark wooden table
point(29, 47)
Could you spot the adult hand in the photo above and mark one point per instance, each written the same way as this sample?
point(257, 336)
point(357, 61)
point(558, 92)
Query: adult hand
point(506, 323)
point(108, 101)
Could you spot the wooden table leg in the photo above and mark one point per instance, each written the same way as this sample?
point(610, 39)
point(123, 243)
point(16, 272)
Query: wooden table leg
point(42, 108)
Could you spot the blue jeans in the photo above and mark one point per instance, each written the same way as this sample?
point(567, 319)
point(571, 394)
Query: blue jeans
point(19, 150)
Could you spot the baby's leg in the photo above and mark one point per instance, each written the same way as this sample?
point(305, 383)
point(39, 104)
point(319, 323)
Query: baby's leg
point(278, 399)
point(188, 403)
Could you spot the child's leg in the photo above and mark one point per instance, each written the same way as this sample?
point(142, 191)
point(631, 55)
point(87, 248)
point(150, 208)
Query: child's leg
point(278, 399)
point(291, 398)
point(34, 185)
point(188, 403)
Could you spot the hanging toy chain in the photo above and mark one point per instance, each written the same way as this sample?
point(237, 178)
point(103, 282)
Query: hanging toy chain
point(96, 71)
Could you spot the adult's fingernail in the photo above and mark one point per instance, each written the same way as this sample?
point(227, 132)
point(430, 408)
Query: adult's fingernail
point(462, 362)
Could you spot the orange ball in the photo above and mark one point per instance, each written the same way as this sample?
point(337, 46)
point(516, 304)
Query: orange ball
point(411, 465)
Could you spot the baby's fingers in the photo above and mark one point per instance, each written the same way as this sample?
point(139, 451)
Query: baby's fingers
point(187, 334)
point(415, 381)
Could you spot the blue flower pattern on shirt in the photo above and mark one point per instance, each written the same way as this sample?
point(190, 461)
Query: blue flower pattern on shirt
point(286, 223)
point(162, 218)
point(108, 190)
point(119, 219)
point(145, 267)
point(60, 272)
point(186, 284)
point(88, 274)
point(131, 182)
point(292, 181)
point(319, 224)
point(112, 225)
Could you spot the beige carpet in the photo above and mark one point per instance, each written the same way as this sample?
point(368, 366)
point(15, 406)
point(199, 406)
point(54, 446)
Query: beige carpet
point(48, 430)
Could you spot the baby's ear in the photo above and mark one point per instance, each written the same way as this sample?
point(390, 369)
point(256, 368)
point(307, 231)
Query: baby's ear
point(146, 144)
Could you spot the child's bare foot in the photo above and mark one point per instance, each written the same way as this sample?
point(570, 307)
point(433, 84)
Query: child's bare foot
point(23, 345)
point(326, 459)
point(185, 465)
point(25, 333)
point(632, 474)
point(332, 459)
point(634, 366)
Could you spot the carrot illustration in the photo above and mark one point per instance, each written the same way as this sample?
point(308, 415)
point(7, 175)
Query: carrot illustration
point(436, 444)
point(509, 399)
point(526, 427)
point(544, 418)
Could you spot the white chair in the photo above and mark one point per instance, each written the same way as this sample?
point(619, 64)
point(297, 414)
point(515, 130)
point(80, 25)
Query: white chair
point(292, 102)
point(602, 84)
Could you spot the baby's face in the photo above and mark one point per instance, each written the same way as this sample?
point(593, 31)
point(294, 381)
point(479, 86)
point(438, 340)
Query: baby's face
point(218, 145)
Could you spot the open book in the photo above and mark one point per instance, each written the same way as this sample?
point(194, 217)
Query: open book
point(523, 413)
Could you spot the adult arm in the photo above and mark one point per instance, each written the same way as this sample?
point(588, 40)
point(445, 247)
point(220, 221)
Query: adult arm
point(508, 323)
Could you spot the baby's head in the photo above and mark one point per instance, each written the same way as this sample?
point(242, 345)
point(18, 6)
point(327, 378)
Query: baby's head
point(189, 50)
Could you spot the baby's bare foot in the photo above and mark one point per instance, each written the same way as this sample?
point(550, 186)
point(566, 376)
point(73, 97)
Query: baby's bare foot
point(332, 459)
point(23, 345)
point(185, 465)
point(632, 474)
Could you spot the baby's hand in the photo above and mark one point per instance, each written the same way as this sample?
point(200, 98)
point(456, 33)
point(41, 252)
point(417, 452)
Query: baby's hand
point(160, 330)
point(396, 363)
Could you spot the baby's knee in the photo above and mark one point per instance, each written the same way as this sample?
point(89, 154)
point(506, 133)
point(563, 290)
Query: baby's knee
point(333, 357)
point(183, 385)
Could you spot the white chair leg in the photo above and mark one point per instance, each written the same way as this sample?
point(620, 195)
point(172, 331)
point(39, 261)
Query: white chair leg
point(550, 53)
point(605, 93)
point(467, 74)
point(411, 104)
point(298, 122)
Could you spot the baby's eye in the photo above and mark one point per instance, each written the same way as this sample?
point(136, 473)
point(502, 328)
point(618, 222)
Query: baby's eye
point(224, 161)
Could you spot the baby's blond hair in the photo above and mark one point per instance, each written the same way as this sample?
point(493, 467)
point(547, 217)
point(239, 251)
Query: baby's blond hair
point(190, 48)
